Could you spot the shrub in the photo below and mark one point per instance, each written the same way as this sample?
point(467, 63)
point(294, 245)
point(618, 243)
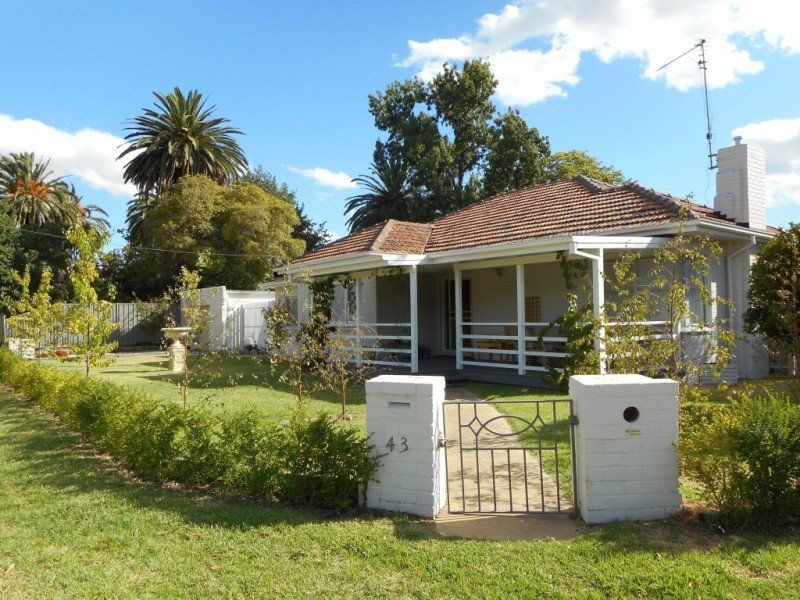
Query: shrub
point(321, 465)
point(746, 457)
point(304, 460)
point(774, 298)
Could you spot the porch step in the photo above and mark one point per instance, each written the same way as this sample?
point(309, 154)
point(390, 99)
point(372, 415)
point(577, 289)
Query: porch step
point(729, 375)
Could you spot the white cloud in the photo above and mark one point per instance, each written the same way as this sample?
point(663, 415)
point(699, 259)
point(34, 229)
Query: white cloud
point(327, 178)
point(535, 46)
point(780, 138)
point(88, 154)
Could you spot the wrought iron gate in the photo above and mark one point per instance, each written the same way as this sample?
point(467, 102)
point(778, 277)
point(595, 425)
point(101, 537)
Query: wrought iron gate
point(509, 456)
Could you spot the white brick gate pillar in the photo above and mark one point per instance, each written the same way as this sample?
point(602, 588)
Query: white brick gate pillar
point(405, 422)
point(625, 453)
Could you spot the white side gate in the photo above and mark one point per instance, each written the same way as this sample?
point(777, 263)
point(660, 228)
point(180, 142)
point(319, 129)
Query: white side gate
point(246, 326)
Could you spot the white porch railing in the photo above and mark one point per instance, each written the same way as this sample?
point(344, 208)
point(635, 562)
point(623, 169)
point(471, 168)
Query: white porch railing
point(480, 345)
point(372, 344)
point(507, 344)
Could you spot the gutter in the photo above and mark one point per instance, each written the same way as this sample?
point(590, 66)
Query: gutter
point(688, 226)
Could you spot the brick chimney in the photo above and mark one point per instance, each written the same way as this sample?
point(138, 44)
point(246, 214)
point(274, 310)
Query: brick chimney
point(742, 184)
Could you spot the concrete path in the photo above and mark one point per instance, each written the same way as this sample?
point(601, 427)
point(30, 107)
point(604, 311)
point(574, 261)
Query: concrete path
point(470, 480)
point(472, 487)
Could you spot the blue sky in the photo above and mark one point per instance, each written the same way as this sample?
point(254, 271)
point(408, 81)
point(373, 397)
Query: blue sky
point(295, 77)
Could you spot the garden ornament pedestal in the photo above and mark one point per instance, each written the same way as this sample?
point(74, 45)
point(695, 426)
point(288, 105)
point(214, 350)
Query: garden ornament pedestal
point(177, 350)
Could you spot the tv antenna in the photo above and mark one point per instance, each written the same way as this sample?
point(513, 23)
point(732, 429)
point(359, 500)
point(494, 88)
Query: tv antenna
point(701, 64)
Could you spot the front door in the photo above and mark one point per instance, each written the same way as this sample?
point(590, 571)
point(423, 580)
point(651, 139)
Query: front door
point(449, 309)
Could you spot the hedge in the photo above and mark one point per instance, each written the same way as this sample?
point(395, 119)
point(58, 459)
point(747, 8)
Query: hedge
point(745, 456)
point(306, 460)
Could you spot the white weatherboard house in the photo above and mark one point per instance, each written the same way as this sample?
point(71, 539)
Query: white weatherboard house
point(470, 292)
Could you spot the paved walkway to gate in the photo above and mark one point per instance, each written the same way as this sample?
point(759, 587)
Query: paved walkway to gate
point(508, 466)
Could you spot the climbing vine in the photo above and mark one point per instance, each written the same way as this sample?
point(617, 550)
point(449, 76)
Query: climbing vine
point(576, 324)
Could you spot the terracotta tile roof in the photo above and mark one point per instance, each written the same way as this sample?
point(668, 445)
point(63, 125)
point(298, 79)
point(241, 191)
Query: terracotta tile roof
point(577, 206)
point(389, 237)
point(567, 207)
point(405, 238)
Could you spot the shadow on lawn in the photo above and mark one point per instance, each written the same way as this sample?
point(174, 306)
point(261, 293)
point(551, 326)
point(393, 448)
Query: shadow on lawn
point(64, 462)
point(227, 372)
point(60, 460)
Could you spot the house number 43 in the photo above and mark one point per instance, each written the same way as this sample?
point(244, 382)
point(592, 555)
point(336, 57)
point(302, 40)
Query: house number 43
point(402, 446)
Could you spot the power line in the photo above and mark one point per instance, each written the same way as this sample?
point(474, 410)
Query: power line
point(149, 248)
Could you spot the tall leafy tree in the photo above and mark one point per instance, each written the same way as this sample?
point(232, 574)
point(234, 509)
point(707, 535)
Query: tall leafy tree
point(259, 227)
point(31, 195)
point(565, 165)
point(312, 233)
point(448, 134)
point(387, 195)
point(180, 136)
point(516, 157)
point(457, 148)
point(231, 236)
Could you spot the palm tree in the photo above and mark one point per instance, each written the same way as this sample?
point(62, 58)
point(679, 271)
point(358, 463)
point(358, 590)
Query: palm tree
point(388, 195)
point(31, 195)
point(180, 137)
point(138, 206)
point(89, 214)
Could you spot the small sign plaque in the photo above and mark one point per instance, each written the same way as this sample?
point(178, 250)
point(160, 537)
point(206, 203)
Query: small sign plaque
point(633, 432)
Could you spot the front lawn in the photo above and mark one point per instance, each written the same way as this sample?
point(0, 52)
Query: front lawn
point(71, 525)
point(225, 383)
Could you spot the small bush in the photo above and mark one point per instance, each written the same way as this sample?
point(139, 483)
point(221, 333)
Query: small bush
point(304, 460)
point(746, 457)
point(321, 465)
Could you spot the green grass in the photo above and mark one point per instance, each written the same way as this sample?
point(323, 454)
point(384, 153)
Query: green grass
point(779, 385)
point(71, 525)
point(221, 383)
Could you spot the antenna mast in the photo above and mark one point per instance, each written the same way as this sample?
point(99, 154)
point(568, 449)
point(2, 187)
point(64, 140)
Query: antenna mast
point(702, 66)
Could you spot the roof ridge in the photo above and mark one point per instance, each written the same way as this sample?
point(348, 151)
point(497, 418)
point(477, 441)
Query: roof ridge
point(430, 233)
point(593, 184)
point(677, 204)
point(406, 231)
point(387, 227)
